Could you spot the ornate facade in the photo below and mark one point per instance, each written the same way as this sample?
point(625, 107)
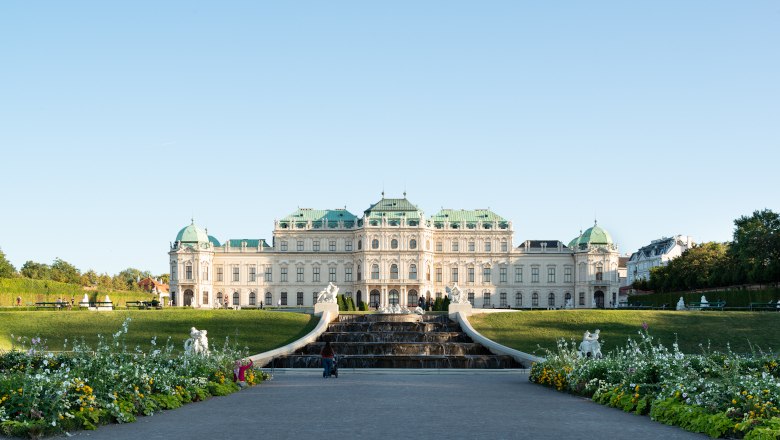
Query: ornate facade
point(393, 254)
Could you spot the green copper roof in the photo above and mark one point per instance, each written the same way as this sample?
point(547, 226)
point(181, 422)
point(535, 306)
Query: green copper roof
point(394, 208)
point(331, 215)
point(192, 234)
point(213, 240)
point(468, 219)
point(595, 236)
point(249, 242)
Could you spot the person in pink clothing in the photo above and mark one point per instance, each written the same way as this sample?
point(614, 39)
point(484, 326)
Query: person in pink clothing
point(239, 372)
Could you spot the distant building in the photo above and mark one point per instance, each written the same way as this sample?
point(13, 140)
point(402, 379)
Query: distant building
point(154, 286)
point(394, 254)
point(657, 253)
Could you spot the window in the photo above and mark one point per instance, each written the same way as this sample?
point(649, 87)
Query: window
point(235, 273)
point(347, 274)
point(471, 246)
point(268, 276)
point(413, 272)
point(394, 244)
point(252, 274)
point(393, 271)
point(375, 244)
point(205, 297)
point(359, 272)
point(360, 244)
point(471, 274)
point(550, 274)
point(534, 274)
point(486, 275)
point(348, 245)
point(413, 244)
point(205, 273)
point(374, 298)
point(219, 273)
point(582, 298)
point(567, 274)
point(471, 298)
point(314, 296)
point(487, 246)
point(188, 271)
point(454, 277)
point(299, 298)
point(284, 246)
point(173, 274)
point(551, 300)
point(283, 277)
point(268, 299)
point(486, 299)
point(411, 298)
point(332, 246)
point(518, 274)
point(315, 274)
point(427, 245)
point(219, 298)
point(428, 273)
point(504, 246)
point(454, 245)
point(316, 245)
point(438, 246)
point(299, 245)
point(567, 298)
point(236, 298)
point(438, 274)
point(374, 271)
point(599, 272)
point(502, 275)
point(502, 300)
point(299, 274)
point(518, 299)
point(283, 298)
point(252, 298)
point(332, 274)
point(535, 300)
point(393, 297)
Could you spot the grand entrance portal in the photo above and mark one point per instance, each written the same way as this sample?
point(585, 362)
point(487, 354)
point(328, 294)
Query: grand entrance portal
point(188, 296)
point(599, 299)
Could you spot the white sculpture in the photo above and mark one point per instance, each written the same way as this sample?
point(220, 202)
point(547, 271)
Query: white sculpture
point(704, 302)
point(419, 310)
point(568, 304)
point(198, 343)
point(590, 346)
point(84, 301)
point(328, 295)
point(681, 304)
point(456, 295)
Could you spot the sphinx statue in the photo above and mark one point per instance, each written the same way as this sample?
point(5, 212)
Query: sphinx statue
point(456, 295)
point(590, 346)
point(198, 343)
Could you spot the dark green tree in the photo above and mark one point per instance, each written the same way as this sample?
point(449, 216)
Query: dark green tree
point(36, 271)
point(65, 272)
point(7, 270)
point(756, 247)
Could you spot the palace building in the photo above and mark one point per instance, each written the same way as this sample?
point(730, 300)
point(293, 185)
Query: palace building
point(393, 254)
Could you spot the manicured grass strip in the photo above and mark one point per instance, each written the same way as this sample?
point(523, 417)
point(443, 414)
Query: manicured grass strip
point(256, 329)
point(528, 330)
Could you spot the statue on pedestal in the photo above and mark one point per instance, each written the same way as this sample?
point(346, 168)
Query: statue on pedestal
point(198, 343)
point(681, 304)
point(456, 295)
point(590, 346)
point(328, 294)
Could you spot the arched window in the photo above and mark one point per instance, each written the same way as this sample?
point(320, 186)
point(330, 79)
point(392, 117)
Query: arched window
point(205, 297)
point(567, 297)
point(359, 271)
point(394, 244)
point(413, 244)
point(360, 244)
point(393, 297)
point(375, 244)
point(374, 298)
point(551, 299)
point(412, 299)
point(518, 299)
point(413, 272)
point(535, 300)
point(394, 272)
point(268, 299)
point(582, 298)
point(236, 298)
point(374, 271)
point(486, 298)
point(428, 273)
point(252, 298)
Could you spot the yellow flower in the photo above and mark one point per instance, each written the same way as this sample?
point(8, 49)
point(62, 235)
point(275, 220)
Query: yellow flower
point(734, 401)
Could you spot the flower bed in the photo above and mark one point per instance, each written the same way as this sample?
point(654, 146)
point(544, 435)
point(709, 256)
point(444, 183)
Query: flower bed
point(719, 394)
point(44, 393)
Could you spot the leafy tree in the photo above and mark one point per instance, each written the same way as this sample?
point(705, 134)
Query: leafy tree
point(89, 278)
point(36, 271)
point(164, 278)
point(65, 272)
point(7, 270)
point(756, 246)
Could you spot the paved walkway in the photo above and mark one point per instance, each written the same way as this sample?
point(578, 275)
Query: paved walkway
point(386, 404)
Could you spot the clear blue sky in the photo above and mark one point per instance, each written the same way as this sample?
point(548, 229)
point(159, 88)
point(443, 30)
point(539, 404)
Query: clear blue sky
point(121, 120)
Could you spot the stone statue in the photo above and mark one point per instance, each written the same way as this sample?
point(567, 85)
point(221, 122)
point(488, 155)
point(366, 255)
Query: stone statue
point(681, 304)
point(590, 346)
point(704, 302)
point(328, 294)
point(568, 304)
point(456, 295)
point(198, 343)
point(419, 310)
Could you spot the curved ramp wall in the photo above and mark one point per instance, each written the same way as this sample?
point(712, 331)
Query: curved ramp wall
point(521, 357)
point(263, 359)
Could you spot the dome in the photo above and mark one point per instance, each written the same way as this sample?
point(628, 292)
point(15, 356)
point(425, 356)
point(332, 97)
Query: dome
point(192, 234)
point(593, 236)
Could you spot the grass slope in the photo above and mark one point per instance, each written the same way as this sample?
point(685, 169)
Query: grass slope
point(33, 291)
point(528, 330)
point(256, 329)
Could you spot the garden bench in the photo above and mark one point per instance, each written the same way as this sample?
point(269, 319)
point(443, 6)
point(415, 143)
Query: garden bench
point(757, 306)
point(50, 305)
point(717, 305)
point(137, 304)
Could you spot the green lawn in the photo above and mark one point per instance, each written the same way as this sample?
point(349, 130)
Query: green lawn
point(528, 330)
point(256, 329)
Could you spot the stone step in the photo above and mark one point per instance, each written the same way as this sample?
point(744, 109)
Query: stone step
point(394, 337)
point(373, 361)
point(398, 349)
